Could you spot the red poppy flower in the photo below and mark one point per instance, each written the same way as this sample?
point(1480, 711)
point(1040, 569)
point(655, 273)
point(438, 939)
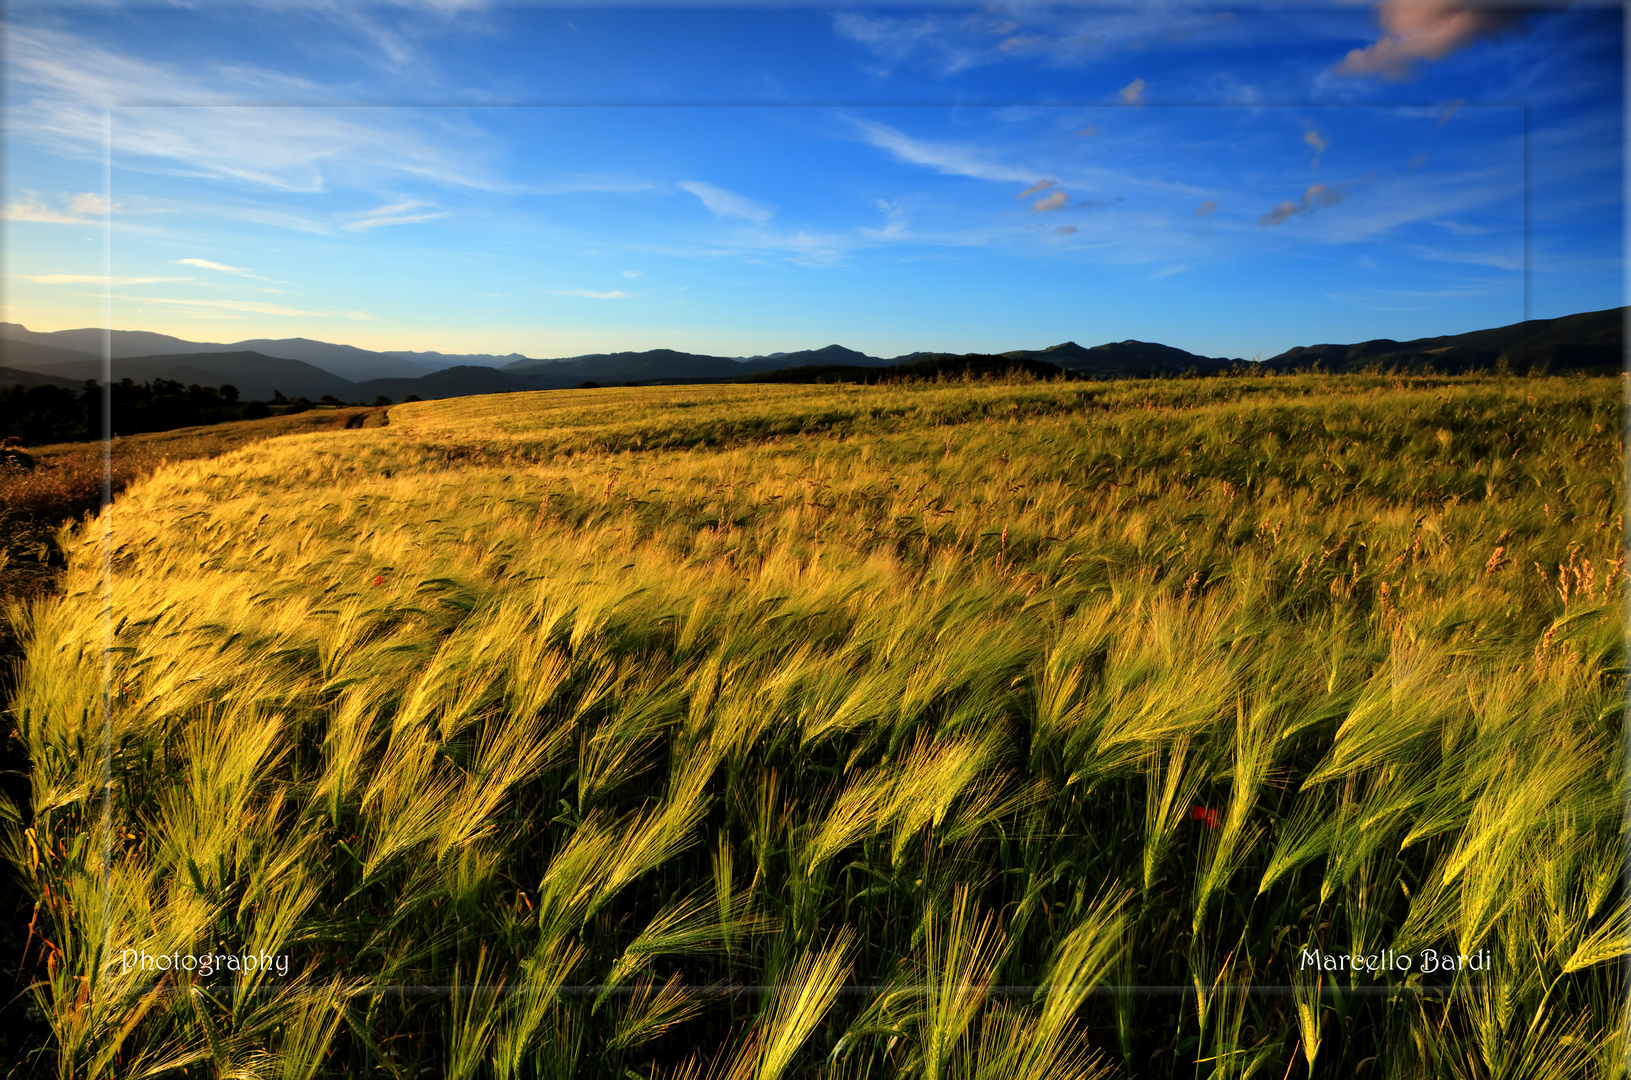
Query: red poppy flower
point(1208, 817)
point(379, 579)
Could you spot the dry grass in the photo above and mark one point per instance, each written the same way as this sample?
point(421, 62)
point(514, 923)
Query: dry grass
point(916, 691)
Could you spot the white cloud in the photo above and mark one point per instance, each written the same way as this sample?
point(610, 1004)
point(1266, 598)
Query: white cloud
point(591, 295)
point(223, 268)
point(207, 265)
point(948, 159)
point(631, 273)
point(85, 208)
point(62, 86)
point(894, 222)
point(950, 41)
point(400, 213)
point(94, 279)
point(722, 203)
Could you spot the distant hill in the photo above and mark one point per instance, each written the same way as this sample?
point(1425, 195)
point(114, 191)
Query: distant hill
point(19, 345)
point(300, 367)
point(257, 376)
point(1127, 360)
point(89, 341)
point(438, 361)
point(1593, 341)
point(462, 381)
point(669, 365)
point(35, 356)
point(346, 361)
point(14, 377)
point(929, 366)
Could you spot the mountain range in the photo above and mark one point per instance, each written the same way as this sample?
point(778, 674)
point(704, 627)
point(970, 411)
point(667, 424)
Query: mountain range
point(300, 367)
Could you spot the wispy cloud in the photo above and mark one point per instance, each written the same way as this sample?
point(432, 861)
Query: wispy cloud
point(1316, 196)
point(590, 294)
point(63, 85)
point(1208, 207)
point(945, 158)
point(1463, 229)
point(723, 203)
point(1052, 202)
point(894, 222)
point(400, 213)
point(254, 307)
point(82, 209)
point(631, 273)
point(1424, 30)
point(1133, 93)
point(1317, 141)
point(1066, 230)
point(223, 268)
point(1508, 260)
point(207, 265)
point(94, 279)
point(895, 40)
point(1040, 185)
point(950, 41)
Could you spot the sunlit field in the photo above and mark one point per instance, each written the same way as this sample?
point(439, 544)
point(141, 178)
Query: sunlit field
point(972, 730)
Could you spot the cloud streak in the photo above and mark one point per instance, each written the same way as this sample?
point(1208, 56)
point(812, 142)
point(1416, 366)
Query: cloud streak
point(944, 158)
point(95, 279)
point(1317, 195)
point(85, 208)
point(401, 213)
point(63, 86)
point(723, 203)
point(1317, 141)
point(588, 294)
point(223, 268)
point(254, 307)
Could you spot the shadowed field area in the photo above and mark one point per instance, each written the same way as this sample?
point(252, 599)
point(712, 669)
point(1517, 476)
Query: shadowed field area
point(972, 730)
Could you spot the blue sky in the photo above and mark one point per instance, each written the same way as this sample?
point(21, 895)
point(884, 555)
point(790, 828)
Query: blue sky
point(1233, 180)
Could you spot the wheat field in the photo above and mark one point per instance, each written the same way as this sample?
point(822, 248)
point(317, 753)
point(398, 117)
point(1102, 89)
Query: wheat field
point(964, 730)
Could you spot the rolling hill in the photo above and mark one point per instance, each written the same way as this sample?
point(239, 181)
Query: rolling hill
point(1590, 341)
point(256, 375)
point(20, 348)
point(16, 377)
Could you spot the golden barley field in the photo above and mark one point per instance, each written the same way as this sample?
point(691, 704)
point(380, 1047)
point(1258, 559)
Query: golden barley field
point(955, 731)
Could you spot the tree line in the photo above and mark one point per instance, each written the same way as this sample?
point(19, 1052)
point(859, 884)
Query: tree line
point(50, 414)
